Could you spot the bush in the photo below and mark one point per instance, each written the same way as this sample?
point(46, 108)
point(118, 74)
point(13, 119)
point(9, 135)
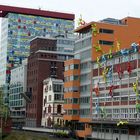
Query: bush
point(61, 134)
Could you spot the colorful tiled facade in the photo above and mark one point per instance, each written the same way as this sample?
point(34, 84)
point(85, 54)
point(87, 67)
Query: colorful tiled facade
point(19, 26)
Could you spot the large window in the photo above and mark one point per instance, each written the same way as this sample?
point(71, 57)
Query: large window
point(104, 42)
point(85, 112)
point(57, 88)
point(85, 100)
point(107, 31)
point(58, 97)
point(71, 89)
point(85, 54)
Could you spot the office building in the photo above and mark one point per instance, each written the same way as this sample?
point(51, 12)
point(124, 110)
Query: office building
point(116, 95)
point(17, 103)
point(94, 39)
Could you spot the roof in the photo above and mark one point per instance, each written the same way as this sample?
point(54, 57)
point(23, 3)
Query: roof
point(104, 21)
point(4, 10)
point(84, 27)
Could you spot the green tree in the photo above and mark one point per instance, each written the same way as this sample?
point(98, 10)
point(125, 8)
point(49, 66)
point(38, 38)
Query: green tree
point(4, 109)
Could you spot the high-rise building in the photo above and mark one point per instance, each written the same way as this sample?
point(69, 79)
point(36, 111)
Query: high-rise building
point(19, 26)
point(94, 38)
point(53, 100)
point(17, 103)
point(46, 60)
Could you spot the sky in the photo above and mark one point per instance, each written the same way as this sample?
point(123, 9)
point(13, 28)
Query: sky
point(91, 10)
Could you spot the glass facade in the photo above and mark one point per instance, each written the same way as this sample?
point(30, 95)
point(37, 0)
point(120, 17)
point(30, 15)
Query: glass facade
point(15, 96)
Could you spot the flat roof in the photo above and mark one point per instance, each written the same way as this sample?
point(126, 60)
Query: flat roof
point(4, 10)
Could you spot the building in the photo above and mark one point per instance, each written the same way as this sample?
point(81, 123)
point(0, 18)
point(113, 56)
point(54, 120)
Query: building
point(18, 85)
point(19, 26)
point(53, 100)
point(94, 39)
point(45, 61)
point(115, 96)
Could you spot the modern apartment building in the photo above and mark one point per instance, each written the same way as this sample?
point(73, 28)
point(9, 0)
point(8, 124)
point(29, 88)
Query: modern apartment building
point(17, 103)
point(115, 96)
point(53, 100)
point(19, 26)
point(46, 60)
point(94, 39)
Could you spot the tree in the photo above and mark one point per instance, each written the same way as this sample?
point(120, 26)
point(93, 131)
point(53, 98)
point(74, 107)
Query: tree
point(4, 110)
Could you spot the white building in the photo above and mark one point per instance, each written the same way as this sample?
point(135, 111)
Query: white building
point(52, 112)
point(18, 85)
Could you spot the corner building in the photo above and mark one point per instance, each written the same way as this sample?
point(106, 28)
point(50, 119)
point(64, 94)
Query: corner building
point(94, 39)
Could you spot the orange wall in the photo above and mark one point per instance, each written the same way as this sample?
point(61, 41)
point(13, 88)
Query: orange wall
point(84, 133)
point(72, 94)
point(125, 34)
point(71, 117)
point(72, 61)
point(85, 120)
point(72, 83)
point(71, 106)
point(72, 72)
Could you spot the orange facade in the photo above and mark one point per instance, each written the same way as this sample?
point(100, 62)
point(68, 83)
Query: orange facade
point(72, 94)
point(120, 35)
point(125, 33)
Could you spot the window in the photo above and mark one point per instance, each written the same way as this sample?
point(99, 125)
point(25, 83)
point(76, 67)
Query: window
point(75, 66)
point(69, 112)
point(57, 88)
point(115, 131)
point(58, 97)
point(75, 77)
point(75, 100)
point(59, 109)
point(75, 112)
point(85, 100)
point(104, 42)
point(66, 79)
point(50, 97)
point(71, 89)
point(49, 109)
point(85, 112)
point(124, 98)
point(66, 68)
point(50, 88)
point(107, 31)
point(124, 131)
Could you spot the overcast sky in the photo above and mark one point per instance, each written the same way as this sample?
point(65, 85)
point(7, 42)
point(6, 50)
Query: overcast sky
point(91, 10)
